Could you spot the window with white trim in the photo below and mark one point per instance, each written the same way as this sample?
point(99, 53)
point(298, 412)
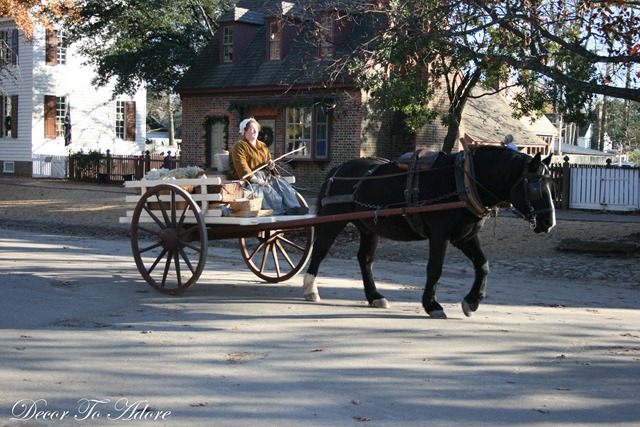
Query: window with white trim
point(125, 123)
point(61, 48)
point(61, 113)
point(55, 111)
point(120, 119)
point(308, 127)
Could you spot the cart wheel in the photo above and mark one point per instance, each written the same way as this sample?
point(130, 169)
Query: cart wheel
point(168, 238)
point(277, 255)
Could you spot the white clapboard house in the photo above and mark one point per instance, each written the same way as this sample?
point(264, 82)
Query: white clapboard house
point(50, 108)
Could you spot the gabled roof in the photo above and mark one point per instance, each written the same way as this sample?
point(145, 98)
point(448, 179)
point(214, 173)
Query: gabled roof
point(252, 70)
point(488, 118)
point(240, 14)
point(540, 126)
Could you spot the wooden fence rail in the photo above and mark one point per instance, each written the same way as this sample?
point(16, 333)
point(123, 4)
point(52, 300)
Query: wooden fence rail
point(113, 168)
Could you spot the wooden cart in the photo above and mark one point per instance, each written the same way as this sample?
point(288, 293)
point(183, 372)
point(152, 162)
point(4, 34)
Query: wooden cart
point(173, 222)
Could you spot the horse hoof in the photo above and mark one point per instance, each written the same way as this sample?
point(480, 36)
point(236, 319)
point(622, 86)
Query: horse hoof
point(466, 308)
point(314, 296)
point(380, 303)
point(437, 314)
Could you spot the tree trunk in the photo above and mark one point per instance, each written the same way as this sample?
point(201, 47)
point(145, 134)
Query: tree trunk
point(171, 124)
point(457, 101)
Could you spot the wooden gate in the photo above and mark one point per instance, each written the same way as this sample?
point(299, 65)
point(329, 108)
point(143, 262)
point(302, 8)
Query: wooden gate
point(602, 188)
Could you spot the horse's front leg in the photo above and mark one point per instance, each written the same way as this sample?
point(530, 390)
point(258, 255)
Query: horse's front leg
point(471, 248)
point(325, 236)
point(366, 257)
point(437, 251)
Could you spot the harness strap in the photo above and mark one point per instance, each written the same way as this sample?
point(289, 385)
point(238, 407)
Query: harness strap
point(420, 160)
point(465, 184)
point(411, 190)
point(329, 199)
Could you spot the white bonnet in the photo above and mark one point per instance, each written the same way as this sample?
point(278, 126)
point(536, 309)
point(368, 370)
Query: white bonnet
point(243, 124)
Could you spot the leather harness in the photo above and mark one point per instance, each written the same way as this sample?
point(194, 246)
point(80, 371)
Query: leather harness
point(414, 163)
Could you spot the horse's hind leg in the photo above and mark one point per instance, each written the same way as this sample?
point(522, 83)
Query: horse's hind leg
point(325, 236)
point(471, 248)
point(366, 257)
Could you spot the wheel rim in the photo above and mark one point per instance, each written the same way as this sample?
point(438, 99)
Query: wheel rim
point(277, 255)
point(168, 239)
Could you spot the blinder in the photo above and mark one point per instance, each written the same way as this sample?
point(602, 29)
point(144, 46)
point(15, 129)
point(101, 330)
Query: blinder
point(534, 189)
point(533, 186)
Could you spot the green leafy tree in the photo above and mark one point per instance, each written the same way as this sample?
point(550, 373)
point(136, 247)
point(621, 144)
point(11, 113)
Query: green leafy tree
point(558, 54)
point(620, 121)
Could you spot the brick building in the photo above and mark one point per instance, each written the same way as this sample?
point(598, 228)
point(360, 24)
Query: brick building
point(269, 60)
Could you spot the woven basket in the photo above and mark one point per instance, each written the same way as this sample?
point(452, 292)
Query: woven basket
point(228, 191)
point(246, 207)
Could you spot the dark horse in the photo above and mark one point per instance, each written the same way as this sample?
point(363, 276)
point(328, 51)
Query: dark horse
point(493, 176)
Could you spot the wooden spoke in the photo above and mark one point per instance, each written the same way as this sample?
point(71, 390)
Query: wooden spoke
point(167, 228)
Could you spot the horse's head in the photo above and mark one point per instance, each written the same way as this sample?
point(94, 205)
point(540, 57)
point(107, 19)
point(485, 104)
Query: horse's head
point(532, 195)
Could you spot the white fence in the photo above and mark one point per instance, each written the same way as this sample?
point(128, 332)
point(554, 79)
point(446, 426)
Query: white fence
point(597, 188)
point(49, 166)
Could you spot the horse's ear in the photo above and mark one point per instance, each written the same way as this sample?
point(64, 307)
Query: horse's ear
point(547, 160)
point(535, 163)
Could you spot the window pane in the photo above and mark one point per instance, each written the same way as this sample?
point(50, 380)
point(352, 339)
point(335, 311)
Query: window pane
point(326, 37)
point(298, 131)
point(322, 132)
point(6, 108)
point(227, 44)
point(274, 41)
point(120, 122)
point(62, 48)
point(61, 112)
point(4, 48)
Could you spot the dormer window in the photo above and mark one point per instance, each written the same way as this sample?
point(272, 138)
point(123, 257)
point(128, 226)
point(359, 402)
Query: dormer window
point(325, 35)
point(227, 44)
point(274, 40)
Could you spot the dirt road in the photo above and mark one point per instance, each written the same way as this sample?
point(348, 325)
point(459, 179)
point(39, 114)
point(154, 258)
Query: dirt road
point(556, 342)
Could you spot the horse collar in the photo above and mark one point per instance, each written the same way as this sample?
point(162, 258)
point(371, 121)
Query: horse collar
point(466, 185)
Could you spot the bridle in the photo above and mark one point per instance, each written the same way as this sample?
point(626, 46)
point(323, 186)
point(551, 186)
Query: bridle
point(532, 186)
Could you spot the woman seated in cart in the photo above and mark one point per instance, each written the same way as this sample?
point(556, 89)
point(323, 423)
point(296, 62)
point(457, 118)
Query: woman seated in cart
point(250, 154)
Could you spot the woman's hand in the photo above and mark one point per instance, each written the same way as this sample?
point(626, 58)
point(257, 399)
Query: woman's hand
point(260, 182)
point(271, 165)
